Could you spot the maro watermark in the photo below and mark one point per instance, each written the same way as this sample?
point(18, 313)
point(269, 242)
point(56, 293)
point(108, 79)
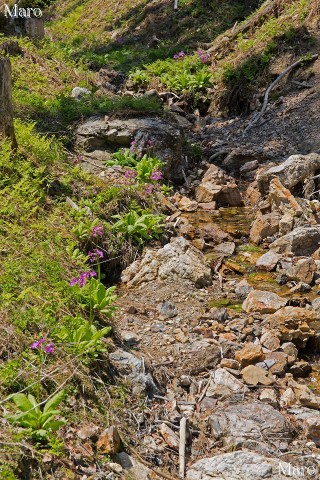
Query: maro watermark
point(294, 471)
point(19, 12)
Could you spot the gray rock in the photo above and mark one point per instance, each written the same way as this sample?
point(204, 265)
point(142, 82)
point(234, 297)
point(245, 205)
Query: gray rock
point(263, 302)
point(225, 249)
point(294, 170)
point(167, 309)
point(166, 135)
point(134, 370)
point(302, 241)
point(177, 260)
point(242, 423)
point(79, 92)
point(243, 289)
point(240, 466)
point(129, 338)
point(268, 261)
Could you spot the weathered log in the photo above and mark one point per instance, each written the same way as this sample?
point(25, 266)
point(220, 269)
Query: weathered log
point(6, 109)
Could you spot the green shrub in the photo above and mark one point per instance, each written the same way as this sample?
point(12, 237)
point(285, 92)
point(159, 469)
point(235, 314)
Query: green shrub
point(139, 227)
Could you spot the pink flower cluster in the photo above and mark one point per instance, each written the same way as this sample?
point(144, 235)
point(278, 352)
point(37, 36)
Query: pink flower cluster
point(203, 56)
point(156, 175)
point(95, 254)
point(97, 231)
point(40, 345)
point(179, 56)
point(81, 281)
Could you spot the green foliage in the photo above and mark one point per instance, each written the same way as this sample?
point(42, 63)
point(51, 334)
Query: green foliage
point(123, 158)
point(96, 296)
point(139, 227)
point(83, 338)
point(139, 77)
point(146, 166)
point(38, 422)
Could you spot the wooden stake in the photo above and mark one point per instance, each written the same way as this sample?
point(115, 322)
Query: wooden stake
point(6, 109)
point(182, 447)
point(175, 6)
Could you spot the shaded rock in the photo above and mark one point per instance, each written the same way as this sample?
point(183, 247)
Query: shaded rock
point(268, 261)
point(176, 260)
point(167, 137)
point(253, 375)
point(249, 354)
point(302, 241)
point(238, 466)
point(300, 369)
point(199, 243)
point(109, 441)
point(264, 226)
point(294, 324)
point(213, 233)
point(291, 173)
point(263, 302)
point(300, 288)
point(249, 166)
point(243, 289)
point(278, 362)
point(312, 428)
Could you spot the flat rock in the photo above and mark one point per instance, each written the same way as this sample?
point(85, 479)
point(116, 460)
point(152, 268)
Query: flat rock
point(225, 249)
point(268, 261)
point(253, 375)
point(226, 379)
point(240, 466)
point(263, 302)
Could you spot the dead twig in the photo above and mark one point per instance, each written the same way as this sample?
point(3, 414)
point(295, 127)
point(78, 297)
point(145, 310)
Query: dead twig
point(182, 447)
point(273, 84)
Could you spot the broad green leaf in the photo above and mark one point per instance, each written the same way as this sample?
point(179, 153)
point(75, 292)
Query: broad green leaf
point(54, 401)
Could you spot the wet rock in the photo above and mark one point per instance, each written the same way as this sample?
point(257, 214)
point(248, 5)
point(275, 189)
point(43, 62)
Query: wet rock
point(263, 302)
point(209, 206)
point(270, 340)
point(134, 369)
point(238, 466)
point(264, 226)
point(213, 233)
point(167, 137)
point(291, 173)
point(167, 309)
point(303, 271)
point(185, 204)
point(243, 289)
point(300, 369)
point(177, 260)
point(225, 249)
point(253, 375)
point(249, 354)
point(169, 436)
point(302, 241)
point(109, 441)
point(294, 324)
point(268, 261)
point(282, 200)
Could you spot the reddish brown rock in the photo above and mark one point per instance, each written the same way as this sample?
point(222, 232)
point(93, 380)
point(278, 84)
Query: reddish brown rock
point(249, 354)
point(303, 271)
point(282, 200)
point(264, 226)
point(109, 441)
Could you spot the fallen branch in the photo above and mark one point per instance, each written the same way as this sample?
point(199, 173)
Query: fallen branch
point(182, 447)
point(271, 87)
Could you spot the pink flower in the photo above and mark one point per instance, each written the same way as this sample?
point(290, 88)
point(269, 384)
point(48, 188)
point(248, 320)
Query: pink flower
point(148, 189)
point(97, 231)
point(156, 175)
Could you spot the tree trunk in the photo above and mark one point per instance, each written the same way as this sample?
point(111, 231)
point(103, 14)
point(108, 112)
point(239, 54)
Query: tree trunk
point(35, 28)
point(6, 110)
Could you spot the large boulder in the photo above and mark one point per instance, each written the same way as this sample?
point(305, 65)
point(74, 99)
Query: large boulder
point(177, 260)
point(302, 241)
point(263, 302)
point(293, 173)
point(166, 135)
point(242, 465)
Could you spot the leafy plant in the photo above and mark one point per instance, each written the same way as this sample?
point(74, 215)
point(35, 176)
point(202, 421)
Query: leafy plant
point(39, 422)
point(95, 295)
point(84, 338)
point(123, 158)
point(139, 227)
point(146, 166)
